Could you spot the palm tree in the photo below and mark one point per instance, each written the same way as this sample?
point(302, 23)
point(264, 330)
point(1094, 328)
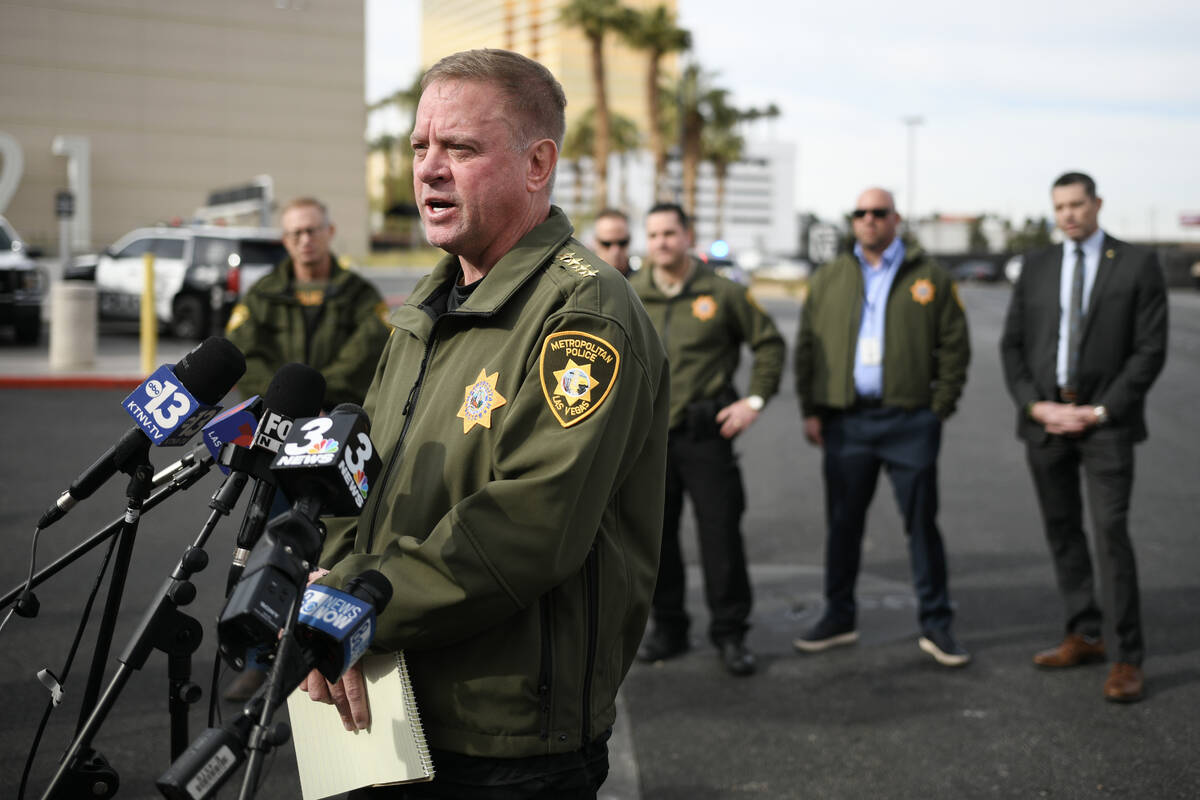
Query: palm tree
point(699, 102)
point(580, 142)
point(723, 146)
point(596, 18)
point(654, 31)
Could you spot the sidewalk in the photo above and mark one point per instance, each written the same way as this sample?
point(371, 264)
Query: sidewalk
point(117, 364)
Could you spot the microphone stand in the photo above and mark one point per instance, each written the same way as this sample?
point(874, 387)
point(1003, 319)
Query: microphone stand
point(163, 627)
point(180, 479)
point(262, 736)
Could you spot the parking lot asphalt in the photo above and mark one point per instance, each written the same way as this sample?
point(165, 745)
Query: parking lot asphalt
point(878, 719)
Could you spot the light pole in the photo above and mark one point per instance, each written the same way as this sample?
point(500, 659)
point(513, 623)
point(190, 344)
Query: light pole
point(911, 123)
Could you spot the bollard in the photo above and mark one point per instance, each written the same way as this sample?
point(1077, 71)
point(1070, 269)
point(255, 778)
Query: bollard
point(73, 326)
point(149, 332)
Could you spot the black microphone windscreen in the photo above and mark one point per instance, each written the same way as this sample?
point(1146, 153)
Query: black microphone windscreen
point(297, 390)
point(371, 585)
point(210, 369)
point(356, 410)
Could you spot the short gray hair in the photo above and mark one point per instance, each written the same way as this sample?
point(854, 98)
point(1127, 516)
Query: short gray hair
point(535, 97)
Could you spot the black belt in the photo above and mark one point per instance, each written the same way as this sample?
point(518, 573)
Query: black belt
point(863, 402)
point(1067, 395)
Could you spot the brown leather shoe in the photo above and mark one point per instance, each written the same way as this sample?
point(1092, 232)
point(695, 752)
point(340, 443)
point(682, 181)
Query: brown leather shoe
point(1074, 650)
point(1124, 684)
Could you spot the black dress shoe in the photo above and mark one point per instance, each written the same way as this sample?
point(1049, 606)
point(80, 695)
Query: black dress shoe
point(737, 659)
point(659, 646)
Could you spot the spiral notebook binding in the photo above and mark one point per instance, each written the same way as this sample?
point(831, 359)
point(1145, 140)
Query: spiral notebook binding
point(414, 717)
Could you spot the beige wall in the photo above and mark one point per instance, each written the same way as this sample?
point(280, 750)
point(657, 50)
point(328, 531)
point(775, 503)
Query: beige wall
point(179, 97)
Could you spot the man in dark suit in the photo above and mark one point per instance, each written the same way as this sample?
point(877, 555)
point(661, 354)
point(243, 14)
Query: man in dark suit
point(1084, 339)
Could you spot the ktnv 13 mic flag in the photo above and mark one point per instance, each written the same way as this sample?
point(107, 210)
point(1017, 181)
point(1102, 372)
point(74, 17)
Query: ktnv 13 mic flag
point(169, 408)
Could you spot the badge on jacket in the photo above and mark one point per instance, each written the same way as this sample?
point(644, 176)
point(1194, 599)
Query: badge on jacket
point(479, 400)
point(922, 291)
point(704, 307)
point(578, 371)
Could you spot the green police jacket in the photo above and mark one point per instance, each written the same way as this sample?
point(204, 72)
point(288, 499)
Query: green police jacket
point(703, 329)
point(519, 507)
point(344, 343)
point(926, 345)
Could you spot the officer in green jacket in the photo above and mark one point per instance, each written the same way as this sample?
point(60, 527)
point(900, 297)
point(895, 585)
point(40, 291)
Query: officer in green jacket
point(704, 321)
point(520, 412)
point(310, 310)
point(881, 360)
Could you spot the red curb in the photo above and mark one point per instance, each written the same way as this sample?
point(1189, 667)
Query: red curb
point(68, 382)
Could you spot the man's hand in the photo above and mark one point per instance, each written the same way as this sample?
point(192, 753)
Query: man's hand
point(812, 431)
point(735, 418)
point(1062, 419)
point(349, 695)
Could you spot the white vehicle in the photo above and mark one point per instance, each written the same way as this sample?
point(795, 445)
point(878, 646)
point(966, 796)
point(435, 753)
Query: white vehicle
point(199, 272)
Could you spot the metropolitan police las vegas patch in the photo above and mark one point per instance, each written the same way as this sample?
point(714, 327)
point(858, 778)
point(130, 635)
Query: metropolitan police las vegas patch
point(578, 371)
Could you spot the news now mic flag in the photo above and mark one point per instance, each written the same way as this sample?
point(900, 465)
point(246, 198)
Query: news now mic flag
point(234, 426)
point(335, 627)
point(329, 458)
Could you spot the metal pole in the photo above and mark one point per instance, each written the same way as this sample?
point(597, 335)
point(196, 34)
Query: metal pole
point(149, 327)
point(911, 123)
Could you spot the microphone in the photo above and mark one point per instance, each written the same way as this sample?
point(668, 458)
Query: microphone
point(169, 408)
point(296, 390)
point(232, 426)
point(334, 629)
point(329, 462)
point(326, 466)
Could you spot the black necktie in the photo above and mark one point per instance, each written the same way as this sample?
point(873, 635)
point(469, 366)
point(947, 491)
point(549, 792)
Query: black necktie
point(1075, 320)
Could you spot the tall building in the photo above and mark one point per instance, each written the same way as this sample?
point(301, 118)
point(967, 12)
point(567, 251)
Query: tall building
point(167, 101)
point(757, 213)
point(532, 28)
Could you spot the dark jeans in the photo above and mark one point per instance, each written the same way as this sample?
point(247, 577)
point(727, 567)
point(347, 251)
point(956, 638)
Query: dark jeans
point(569, 776)
point(906, 443)
point(705, 467)
point(1106, 458)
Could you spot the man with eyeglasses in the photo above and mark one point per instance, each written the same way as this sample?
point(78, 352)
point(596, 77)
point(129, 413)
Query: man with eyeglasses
point(1084, 339)
point(310, 310)
point(881, 360)
point(610, 238)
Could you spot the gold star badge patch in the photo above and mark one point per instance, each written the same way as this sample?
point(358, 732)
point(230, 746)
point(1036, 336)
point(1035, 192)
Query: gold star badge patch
point(704, 307)
point(578, 370)
point(922, 291)
point(479, 400)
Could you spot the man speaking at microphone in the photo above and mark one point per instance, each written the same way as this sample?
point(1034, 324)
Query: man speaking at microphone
point(520, 412)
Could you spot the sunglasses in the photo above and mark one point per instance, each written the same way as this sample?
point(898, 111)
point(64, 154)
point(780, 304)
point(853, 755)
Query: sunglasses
point(614, 243)
point(877, 213)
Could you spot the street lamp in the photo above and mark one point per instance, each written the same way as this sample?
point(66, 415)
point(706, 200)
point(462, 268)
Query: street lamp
point(911, 123)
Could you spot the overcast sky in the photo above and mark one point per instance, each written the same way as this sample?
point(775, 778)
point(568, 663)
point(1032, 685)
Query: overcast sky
point(1011, 94)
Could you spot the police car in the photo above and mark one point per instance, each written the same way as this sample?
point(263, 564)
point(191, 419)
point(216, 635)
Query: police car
point(199, 272)
point(22, 287)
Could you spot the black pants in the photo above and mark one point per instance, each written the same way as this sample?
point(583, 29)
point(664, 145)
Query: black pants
point(569, 776)
point(705, 468)
point(1106, 458)
point(906, 443)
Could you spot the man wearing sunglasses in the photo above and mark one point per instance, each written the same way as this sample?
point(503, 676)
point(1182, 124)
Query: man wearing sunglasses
point(881, 360)
point(610, 238)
